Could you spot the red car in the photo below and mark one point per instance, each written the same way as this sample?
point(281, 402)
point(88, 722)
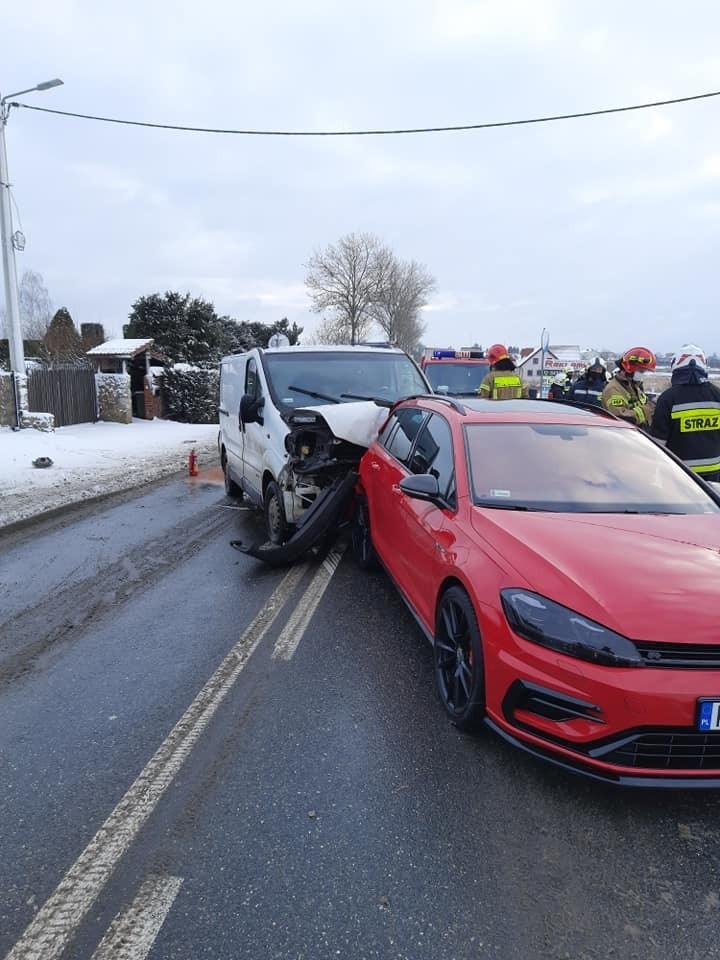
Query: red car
point(566, 569)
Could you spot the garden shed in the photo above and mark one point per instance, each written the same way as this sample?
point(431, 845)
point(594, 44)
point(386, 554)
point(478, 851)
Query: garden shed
point(133, 357)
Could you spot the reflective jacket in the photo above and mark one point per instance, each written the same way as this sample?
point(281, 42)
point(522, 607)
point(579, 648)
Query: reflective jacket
point(687, 417)
point(626, 399)
point(502, 385)
point(587, 390)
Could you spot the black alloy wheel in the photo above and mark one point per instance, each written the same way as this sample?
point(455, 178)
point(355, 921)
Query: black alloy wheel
point(278, 529)
point(362, 545)
point(459, 668)
point(231, 488)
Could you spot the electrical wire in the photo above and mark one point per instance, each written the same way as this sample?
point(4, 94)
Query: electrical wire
point(370, 133)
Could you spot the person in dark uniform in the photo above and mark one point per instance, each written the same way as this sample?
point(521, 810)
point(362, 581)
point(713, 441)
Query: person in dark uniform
point(558, 389)
point(687, 414)
point(589, 387)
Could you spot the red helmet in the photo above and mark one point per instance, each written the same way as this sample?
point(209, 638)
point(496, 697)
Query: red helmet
point(637, 360)
point(497, 352)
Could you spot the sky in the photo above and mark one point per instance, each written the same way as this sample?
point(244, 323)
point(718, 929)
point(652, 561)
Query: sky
point(602, 230)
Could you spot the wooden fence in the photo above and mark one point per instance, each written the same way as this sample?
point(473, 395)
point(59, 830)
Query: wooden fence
point(67, 392)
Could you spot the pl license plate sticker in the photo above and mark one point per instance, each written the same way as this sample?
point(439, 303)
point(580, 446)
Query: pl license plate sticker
point(709, 715)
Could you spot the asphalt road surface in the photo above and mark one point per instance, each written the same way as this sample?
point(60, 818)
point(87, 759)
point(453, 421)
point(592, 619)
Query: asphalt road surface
point(201, 757)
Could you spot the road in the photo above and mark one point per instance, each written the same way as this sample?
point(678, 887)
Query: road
point(205, 758)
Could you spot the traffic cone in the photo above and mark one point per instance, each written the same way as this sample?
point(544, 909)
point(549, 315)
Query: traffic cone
point(193, 464)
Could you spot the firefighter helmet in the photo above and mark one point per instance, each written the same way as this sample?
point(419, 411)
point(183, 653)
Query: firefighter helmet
point(637, 360)
point(496, 353)
point(688, 355)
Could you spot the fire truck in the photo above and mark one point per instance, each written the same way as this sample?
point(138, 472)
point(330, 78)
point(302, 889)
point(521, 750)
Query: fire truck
point(457, 373)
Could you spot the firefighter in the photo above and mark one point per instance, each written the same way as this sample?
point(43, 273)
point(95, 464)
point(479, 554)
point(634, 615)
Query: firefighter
point(503, 382)
point(687, 415)
point(558, 389)
point(589, 387)
point(624, 395)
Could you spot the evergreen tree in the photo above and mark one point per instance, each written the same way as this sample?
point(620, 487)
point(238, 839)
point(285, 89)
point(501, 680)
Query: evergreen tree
point(62, 343)
point(185, 328)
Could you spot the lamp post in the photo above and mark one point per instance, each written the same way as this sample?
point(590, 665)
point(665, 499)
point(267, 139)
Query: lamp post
point(12, 310)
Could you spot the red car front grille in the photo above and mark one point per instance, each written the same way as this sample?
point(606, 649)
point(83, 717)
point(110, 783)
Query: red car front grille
point(669, 751)
point(702, 656)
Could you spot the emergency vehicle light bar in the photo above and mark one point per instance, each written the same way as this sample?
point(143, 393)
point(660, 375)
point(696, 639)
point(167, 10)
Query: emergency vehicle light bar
point(458, 355)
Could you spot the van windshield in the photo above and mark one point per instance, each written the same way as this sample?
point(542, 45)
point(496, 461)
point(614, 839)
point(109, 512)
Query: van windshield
point(382, 374)
point(456, 379)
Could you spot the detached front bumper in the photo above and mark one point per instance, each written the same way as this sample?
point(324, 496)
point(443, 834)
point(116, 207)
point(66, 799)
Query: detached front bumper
point(319, 523)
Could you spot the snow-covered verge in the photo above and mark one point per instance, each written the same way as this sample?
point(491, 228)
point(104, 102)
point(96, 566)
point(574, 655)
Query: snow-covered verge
point(91, 459)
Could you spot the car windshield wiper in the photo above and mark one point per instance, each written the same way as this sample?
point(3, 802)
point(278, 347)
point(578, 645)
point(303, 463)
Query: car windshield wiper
point(315, 394)
point(380, 401)
point(493, 505)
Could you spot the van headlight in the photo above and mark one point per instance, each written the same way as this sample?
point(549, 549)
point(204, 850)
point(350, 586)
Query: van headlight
point(551, 625)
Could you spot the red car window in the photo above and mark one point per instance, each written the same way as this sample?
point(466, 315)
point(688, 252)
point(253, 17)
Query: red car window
point(400, 433)
point(433, 454)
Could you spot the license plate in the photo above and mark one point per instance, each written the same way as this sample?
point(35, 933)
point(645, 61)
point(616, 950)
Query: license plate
point(708, 715)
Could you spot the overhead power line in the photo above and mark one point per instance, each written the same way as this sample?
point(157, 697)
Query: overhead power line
point(369, 133)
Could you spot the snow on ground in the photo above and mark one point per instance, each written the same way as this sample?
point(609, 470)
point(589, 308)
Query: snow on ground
point(90, 459)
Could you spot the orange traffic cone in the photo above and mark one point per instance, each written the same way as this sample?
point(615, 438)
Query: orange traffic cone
point(193, 464)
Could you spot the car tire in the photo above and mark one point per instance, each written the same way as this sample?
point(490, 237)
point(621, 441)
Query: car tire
point(278, 529)
point(362, 546)
point(231, 488)
point(458, 659)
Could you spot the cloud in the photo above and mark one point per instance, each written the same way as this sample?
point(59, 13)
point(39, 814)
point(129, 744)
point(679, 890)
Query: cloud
point(115, 184)
point(467, 22)
point(651, 186)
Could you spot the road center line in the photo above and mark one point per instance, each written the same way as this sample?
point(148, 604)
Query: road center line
point(56, 922)
point(292, 632)
point(133, 931)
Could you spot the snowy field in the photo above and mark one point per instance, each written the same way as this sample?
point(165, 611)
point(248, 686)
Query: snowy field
point(91, 459)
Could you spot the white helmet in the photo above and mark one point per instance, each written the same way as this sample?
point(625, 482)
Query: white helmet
point(689, 354)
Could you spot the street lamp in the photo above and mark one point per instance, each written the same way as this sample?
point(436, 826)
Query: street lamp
point(17, 355)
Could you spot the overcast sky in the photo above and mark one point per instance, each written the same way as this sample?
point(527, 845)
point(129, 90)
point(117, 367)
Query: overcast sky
point(604, 230)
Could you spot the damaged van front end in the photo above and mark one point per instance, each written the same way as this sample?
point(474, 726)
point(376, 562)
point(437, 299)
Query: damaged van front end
point(324, 446)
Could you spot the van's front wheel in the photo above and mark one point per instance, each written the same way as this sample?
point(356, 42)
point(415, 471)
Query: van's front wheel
point(278, 529)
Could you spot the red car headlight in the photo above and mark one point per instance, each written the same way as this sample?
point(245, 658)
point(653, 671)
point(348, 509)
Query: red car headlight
point(551, 625)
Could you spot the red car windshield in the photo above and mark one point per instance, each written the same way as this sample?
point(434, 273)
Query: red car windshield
point(577, 469)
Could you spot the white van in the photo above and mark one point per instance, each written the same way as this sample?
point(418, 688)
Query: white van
point(265, 395)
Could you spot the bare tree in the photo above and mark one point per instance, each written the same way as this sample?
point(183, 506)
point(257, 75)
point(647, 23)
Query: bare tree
point(345, 280)
point(404, 292)
point(35, 305)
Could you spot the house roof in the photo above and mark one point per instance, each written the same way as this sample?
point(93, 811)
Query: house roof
point(549, 353)
point(121, 348)
point(566, 351)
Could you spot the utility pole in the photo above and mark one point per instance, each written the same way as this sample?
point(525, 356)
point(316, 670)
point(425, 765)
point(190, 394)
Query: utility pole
point(12, 308)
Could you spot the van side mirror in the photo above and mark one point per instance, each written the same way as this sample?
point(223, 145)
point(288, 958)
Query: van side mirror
point(251, 409)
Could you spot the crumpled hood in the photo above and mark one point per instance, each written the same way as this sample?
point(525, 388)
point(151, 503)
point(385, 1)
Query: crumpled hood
point(358, 422)
point(647, 577)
